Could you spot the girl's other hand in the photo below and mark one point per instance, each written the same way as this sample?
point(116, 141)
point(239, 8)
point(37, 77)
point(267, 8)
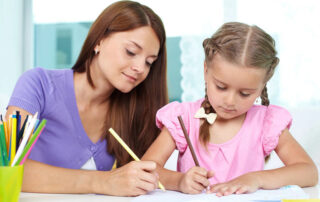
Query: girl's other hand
point(243, 184)
point(132, 179)
point(195, 180)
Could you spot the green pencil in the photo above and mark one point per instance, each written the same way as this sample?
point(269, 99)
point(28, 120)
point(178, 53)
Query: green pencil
point(1, 159)
point(3, 150)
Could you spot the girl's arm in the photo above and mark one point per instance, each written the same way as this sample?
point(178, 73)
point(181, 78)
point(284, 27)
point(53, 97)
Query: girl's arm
point(299, 170)
point(133, 179)
point(194, 181)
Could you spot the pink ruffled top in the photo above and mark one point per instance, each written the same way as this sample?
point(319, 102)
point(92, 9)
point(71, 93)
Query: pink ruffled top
point(244, 153)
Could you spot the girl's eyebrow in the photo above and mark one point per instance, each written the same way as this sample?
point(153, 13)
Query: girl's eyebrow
point(248, 89)
point(218, 80)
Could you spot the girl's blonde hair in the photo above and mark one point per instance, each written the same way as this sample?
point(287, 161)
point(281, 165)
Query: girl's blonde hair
point(243, 45)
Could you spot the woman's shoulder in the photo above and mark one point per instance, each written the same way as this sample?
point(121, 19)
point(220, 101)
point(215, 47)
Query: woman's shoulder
point(43, 74)
point(46, 78)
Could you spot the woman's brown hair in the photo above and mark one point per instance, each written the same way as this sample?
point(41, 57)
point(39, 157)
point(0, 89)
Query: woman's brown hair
point(243, 45)
point(131, 114)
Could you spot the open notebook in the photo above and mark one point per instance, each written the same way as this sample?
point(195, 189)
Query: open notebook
point(287, 192)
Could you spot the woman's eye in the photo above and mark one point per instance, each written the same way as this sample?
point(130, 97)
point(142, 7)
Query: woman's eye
point(148, 64)
point(130, 53)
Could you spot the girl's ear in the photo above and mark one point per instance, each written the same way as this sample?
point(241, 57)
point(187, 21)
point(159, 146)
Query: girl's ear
point(205, 71)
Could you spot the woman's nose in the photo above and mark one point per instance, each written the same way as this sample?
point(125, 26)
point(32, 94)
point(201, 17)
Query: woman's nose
point(138, 67)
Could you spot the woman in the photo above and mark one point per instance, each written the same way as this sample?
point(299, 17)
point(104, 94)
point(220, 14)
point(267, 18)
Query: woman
point(118, 81)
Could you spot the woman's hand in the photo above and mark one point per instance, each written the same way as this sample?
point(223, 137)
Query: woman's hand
point(243, 184)
point(133, 179)
point(195, 180)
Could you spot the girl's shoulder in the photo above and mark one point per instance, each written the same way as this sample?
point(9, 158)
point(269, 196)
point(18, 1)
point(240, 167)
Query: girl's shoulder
point(272, 120)
point(181, 107)
point(269, 113)
point(168, 115)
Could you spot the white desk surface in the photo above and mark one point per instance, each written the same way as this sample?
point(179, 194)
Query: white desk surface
point(313, 192)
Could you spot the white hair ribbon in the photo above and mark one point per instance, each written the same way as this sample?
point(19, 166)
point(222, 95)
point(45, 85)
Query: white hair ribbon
point(211, 117)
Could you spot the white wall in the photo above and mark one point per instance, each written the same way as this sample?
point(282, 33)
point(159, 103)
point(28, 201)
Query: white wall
point(16, 39)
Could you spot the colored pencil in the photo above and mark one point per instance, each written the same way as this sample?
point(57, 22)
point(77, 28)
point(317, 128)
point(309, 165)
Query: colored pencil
point(3, 145)
point(18, 129)
point(188, 141)
point(26, 151)
point(132, 154)
point(13, 138)
point(5, 125)
point(28, 131)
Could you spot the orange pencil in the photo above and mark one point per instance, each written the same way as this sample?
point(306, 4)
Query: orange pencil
point(6, 132)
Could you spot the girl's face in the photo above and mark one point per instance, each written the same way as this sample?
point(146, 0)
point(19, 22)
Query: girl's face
point(125, 58)
point(231, 88)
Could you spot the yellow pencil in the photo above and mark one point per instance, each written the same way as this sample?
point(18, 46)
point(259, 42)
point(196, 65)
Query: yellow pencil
point(125, 146)
point(13, 138)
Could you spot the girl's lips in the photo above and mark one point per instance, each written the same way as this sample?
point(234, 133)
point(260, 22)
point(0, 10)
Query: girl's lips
point(228, 110)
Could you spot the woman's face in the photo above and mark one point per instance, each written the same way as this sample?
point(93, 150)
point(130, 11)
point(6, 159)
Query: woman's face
point(125, 58)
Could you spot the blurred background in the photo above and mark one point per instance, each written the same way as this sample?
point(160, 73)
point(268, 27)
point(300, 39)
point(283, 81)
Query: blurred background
point(49, 34)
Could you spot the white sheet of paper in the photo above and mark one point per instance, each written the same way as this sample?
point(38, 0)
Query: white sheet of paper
point(287, 192)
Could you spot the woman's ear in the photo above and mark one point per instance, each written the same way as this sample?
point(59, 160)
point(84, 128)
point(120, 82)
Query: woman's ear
point(97, 48)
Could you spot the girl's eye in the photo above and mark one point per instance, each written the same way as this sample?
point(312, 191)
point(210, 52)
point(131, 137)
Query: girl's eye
point(130, 53)
point(221, 88)
point(244, 94)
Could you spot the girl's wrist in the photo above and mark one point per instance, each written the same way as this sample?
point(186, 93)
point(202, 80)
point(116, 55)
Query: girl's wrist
point(258, 176)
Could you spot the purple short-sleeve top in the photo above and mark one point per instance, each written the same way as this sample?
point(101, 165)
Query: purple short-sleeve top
point(63, 142)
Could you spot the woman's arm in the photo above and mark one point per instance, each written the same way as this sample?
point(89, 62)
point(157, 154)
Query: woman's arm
point(159, 152)
point(133, 179)
point(194, 181)
point(299, 169)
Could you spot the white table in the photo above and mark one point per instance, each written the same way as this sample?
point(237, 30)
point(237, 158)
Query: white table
point(313, 192)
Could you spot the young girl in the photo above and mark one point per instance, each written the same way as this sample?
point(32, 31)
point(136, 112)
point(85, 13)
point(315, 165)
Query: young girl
point(231, 136)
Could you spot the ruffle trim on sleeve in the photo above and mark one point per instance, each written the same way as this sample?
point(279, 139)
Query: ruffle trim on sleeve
point(168, 116)
point(276, 120)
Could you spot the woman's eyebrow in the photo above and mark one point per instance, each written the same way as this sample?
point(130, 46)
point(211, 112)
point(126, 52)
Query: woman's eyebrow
point(138, 46)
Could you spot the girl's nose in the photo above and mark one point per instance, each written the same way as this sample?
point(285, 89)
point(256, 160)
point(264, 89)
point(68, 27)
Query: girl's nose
point(230, 99)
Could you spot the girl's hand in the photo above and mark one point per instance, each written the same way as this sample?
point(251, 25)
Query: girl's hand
point(243, 184)
point(195, 180)
point(132, 179)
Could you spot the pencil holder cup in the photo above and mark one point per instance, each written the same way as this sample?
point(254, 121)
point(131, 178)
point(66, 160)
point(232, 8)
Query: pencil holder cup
point(10, 183)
